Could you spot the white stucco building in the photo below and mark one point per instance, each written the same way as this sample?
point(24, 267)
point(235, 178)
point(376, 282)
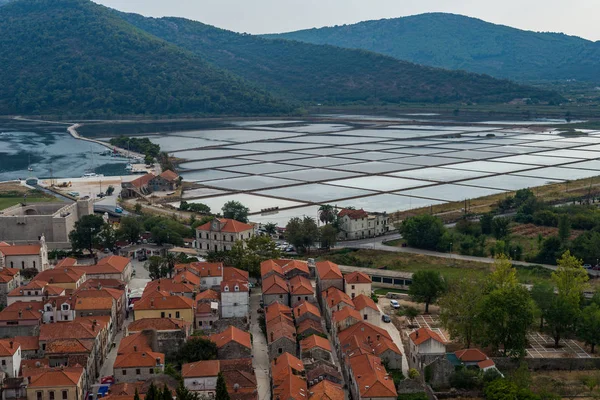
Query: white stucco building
point(424, 346)
point(25, 256)
point(359, 224)
point(220, 234)
point(201, 377)
point(235, 300)
point(357, 283)
point(10, 357)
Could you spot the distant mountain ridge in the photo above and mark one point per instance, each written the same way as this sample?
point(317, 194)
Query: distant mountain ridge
point(327, 74)
point(458, 42)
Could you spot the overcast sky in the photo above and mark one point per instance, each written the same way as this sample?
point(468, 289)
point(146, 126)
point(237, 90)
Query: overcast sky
point(574, 17)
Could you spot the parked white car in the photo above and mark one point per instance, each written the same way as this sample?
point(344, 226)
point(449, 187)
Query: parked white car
point(394, 303)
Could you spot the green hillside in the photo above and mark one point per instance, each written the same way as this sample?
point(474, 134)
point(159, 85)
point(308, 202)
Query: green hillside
point(76, 57)
point(458, 42)
point(326, 74)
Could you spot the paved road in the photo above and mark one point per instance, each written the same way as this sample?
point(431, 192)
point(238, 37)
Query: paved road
point(383, 304)
point(377, 244)
point(260, 360)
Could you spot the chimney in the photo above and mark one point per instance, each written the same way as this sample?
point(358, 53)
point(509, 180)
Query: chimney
point(144, 354)
point(378, 337)
point(11, 344)
point(152, 303)
point(417, 333)
point(20, 313)
point(134, 348)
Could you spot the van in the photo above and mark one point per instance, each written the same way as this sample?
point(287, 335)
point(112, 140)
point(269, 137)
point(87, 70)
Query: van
point(394, 303)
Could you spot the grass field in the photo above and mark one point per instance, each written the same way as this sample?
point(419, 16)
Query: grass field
point(6, 202)
point(12, 193)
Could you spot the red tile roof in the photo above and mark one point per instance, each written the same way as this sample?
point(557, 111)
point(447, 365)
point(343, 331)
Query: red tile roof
point(117, 262)
point(309, 324)
point(169, 175)
point(8, 347)
point(486, 364)
point(327, 390)
point(55, 378)
point(297, 265)
point(328, 270)
point(93, 303)
point(284, 364)
point(28, 343)
point(344, 313)
point(95, 292)
point(299, 285)
point(314, 341)
point(470, 355)
point(269, 266)
point(229, 286)
point(291, 387)
point(162, 301)
point(235, 274)
point(208, 295)
point(353, 214)
point(368, 337)
point(274, 284)
point(69, 346)
point(22, 311)
point(361, 302)
point(276, 309)
point(20, 250)
point(371, 377)
point(201, 369)
point(282, 329)
point(422, 335)
point(187, 277)
point(306, 307)
point(135, 342)
point(334, 296)
point(61, 275)
point(357, 277)
point(232, 334)
point(169, 286)
point(78, 329)
point(66, 262)
point(142, 180)
point(227, 225)
point(202, 269)
point(158, 324)
point(139, 359)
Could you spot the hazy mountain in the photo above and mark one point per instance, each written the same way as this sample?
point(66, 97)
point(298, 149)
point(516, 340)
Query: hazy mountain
point(73, 56)
point(458, 42)
point(326, 74)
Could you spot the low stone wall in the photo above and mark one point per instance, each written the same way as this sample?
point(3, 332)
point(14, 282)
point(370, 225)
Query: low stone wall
point(549, 364)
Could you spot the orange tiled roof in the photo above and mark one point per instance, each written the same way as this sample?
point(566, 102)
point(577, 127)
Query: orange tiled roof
point(187, 277)
point(334, 296)
point(232, 334)
point(62, 275)
point(306, 307)
point(361, 302)
point(353, 214)
point(486, 363)
point(327, 390)
point(201, 369)
point(93, 303)
point(69, 346)
point(470, 355)
point(169, 286)
point(160, 301)
point(307, 324)
point(278, 330)
point(69, 330)
point(284, 363)
point(357, 277)
point(299, 285)
point(202, 269)
point(169, 175)
point(328, 270)
point(422, 335)
point(102, 283)
point(374, 339)
point(240, 372)
point(229, 286)
point(346, 312)
point(235, 274)
point(8, 347)
point(276, 309)
point(142, 180)
point(292, 265)
point(66, 377)
point(20, 250)
point(139, 359)
point(158, 324)
point(269, 266)
point(227, 225)
point(291, 387)
point(95, 292)
point(135, 342)
point(28, 343)
point(66, 262)
point(208, 295)
point(371, 377)
point(315, 341)
point(28, 311)
point(274, 284)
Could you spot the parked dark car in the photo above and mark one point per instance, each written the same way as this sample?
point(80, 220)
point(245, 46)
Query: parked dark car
point(386, 319)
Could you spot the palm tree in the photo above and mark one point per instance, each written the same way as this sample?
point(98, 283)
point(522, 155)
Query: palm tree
point(271, 228)
point(326, 214)
point(170, 260)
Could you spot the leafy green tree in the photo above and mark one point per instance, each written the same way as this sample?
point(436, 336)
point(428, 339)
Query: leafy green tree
point(501, 389)
point(561, 318)
point(110, 190)
point(326, 213)
point(166, 393)
point(222, 393)
point(156, 267)
point(504, 275)
point(136, 395)
point(564, 227)
point(427, 286)
point(543, 295)
point(152, 393)
point(589, 326)
point(196, 349)
point(486, 223)
point(86, 233)
point(550, 251)
point(506, 315)
point(130, 229)
point(423, 232)
point(235, 210)
point(138, 208)
point(250, 253)
point(148, 159)
point(271, 228)
point(411, 313)
point(466, 379)
point(302, 233)
point(586, 246)
point(169, 261)
point(182, 393)
point(460, 308)
point(329, 236)
point(500, 227)
point(570, 278)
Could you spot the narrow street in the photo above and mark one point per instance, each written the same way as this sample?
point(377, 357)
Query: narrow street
point(396, 335)
point(260, 359)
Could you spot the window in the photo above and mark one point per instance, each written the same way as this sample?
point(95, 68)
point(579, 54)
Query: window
point(65, 307)
point(169, 315)
point(281, 296)
point(34, 267)
point(38, 395)
point(299, 298)
point(43, 346)
point(36, 292)
point(231, 238)
point(210, 323)
point(365, 317)
point(11, 264)
point(207, 235)
point(29, 293)
point(124, 372)
point(65, 395)
point(280, 350)
point(353, 294)
point(306, 298)
point(138, 371)
point(215, 237)
point(51, 319)
point(236, 288)
point(3, 363)
point(352, 287)
point(66, 317)
point(162, 314)
point(176, 314)
point(151, 371)
point(51, 395)
point(23, 264)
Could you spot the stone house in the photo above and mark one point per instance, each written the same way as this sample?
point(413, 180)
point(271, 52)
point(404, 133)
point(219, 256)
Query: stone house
point(172, 287)
point(10, 279)
point(365, 338)
point(34, 291)
point(137, 359)
point(344, 319)
point(210, 274)
point(206, 315)
point(368, 379)
point(235, 294)
point(306, 310)
point(301, 290)
point(275, 290)
point(57, 383)
point(96, 307)
point(367, 309)
point(10, 357)
point(64, 277)
point(281, 338)
point(357, 283)
point(21, 319)
point(25, 256)
point(30, 346)
point(164, 182)
point(170, 333)
point(317, 348)
point(310, 327)
point(117, 295)
point(111, 267)
point(326, 389)
point(334, 300)
point(220, 234)
point(322, 371)
point(288, 377)
point(139, 187)
point(232, 343)
point(201, 377)
point(359, 224)
point(328, 275)
point(424, 346)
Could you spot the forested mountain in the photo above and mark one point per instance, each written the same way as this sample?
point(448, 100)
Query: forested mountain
point(458, 42)
point(73, 56)
point(326, 74)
